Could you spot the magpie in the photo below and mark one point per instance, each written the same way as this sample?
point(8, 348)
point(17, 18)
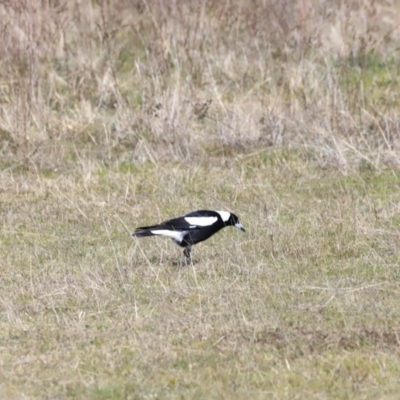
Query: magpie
point(191, 228)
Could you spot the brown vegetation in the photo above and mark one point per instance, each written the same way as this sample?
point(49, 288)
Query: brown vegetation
point(115, 114)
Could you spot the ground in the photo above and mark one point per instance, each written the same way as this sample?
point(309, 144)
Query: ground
point(124, 115)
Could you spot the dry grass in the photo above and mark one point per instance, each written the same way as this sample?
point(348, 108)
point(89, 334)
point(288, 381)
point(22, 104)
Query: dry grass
point(119, 114)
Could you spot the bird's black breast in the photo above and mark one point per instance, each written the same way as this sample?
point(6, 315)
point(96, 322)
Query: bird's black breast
point(200, 234)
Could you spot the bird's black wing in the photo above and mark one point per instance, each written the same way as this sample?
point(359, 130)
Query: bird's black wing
point(202, 213)
point(176, 224)
point(194, 220)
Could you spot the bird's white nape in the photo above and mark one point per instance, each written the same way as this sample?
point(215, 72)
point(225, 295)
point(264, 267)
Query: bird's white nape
point(201, 221)
point(225, 215)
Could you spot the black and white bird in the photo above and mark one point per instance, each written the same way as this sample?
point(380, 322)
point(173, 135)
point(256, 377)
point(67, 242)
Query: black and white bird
point(191, 228)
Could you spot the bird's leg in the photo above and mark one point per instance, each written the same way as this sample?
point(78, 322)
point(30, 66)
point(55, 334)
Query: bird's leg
point(186, 252)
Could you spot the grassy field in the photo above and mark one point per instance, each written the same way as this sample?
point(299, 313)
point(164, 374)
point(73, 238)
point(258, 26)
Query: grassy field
point(119, 114)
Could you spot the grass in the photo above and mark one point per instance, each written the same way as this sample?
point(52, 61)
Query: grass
point(117, 115)
point(302, 305)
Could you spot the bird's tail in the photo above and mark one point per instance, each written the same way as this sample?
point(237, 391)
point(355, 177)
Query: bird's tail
point(144, 231)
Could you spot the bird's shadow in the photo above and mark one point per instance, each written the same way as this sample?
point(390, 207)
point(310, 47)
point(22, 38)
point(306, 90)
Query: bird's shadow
point(185, 263)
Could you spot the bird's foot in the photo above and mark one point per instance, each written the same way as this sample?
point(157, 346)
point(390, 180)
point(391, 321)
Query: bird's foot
point(186, 252)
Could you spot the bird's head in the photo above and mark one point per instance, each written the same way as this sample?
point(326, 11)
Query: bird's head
point(233, 220)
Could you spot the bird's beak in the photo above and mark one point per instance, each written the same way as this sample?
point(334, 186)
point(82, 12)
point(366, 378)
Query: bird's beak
point(240, 226)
